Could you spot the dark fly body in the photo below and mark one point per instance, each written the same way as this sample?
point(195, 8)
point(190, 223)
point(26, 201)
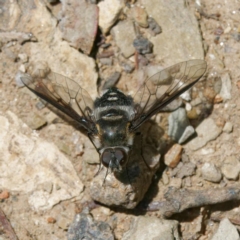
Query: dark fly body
point(113, 119)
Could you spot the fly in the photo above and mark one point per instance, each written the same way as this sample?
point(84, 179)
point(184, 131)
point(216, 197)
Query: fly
point(113, 119)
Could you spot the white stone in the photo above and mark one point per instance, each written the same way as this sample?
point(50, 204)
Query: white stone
point(211, 173)
point(226, 231)
point(152, 228)
point(226, 87)
point(108, 13)
point(28, 163)
point(206, 131)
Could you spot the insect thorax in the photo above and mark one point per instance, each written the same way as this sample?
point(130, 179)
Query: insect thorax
point(113, 112)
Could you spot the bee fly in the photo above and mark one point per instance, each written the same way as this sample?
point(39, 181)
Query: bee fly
point(113, 119)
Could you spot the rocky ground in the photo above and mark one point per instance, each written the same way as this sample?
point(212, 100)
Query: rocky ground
point(48, 166)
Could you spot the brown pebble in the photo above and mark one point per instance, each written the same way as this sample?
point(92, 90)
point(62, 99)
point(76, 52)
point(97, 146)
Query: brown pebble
point(217, 99)
point(51, 220)
point(192, 114)
point(209, 93)
point(173, 156)
point(4, 194)
point(238, 84)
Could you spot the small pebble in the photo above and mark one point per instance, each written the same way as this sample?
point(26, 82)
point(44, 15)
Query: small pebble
point(192, 114)
point(231, 168)
point(142, 45)
point(63, 222)
point(153, 25)
point(51, 220)
point(112, 80)
point(140, 16)
point(175, 182)
point(228, 127)
point(106, 61)
point(225, 92)
point(211, 173)
point(173, 156)
point(4, 194)
point(188, 169)
point(23, 57)
point(218, 99)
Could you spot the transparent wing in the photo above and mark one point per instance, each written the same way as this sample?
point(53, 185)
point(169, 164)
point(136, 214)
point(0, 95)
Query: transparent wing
point(64, 94)
point(162, 88)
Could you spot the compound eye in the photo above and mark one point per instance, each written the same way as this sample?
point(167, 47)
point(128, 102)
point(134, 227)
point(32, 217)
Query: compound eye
point(121, 156)
point(106, 158)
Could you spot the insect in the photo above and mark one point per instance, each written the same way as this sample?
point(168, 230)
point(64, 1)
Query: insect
point(113, 119)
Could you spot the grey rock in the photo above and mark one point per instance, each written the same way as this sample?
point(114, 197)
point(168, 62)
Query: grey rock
point(226, 87)
point(112, 80)
point(85, 227)
point(211, 173)
point(142, 45)
point(124, 35)
point(106, 61)
point(228, 127)
point(109, 11)
point(226, 231)
point(153, 25)
point(186, 170)
point(180, 37)
point(18, 77)
point(207, 131)
point(152, 228)
point(179, 126)
point(188, 132)
point(78, 23)
point(231, 168)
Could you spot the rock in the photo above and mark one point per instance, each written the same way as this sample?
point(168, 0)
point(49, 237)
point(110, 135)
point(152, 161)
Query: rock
point(4, 194)
point(79, 23)
point(106, 61)
point(112, 80)
point(127, 188)
point(184, 28)
point(34, 160)
point(109, 11)
point(18, 77)
point(23, 57)
point(173, 156)
point(207, 131)
point(228, 127)
point(187, 169)
point(142, 45)
point(85, 227)
point(225, 92)
point(231, 168)
point(35, 121)
point(153, 25)
point(139, 15)
point(124, 35)
point(152, 228)
point(226, 231)
point(179, 127)
point(63, 222)
point(211, 173)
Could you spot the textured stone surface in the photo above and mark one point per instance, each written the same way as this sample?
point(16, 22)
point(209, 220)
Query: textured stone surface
point(179, 31)
point(28, 163)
